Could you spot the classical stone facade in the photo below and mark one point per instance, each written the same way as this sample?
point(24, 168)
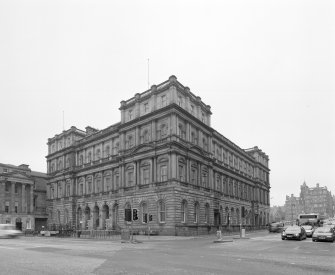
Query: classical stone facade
point(22, 197)
point(162, 166)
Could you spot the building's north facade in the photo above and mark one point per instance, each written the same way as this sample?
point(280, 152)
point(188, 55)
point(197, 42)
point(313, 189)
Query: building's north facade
point(22, 197)
point(162, 166)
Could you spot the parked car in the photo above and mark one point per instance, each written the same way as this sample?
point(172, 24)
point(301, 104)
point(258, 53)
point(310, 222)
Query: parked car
point(324, 234)
point(9, 231)
point(294, 232)
point(276, 227)
point(309, 230)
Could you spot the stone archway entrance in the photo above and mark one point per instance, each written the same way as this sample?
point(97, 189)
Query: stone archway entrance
point(96, 222)
point(18, 224)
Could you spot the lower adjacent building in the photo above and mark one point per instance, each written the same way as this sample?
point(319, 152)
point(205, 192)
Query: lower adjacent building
point(162, 167)
point(22, 197)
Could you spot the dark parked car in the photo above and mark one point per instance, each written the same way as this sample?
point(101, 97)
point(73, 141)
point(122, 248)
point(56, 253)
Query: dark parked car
point(294, 233)
point(324, 234)
point(276, 227)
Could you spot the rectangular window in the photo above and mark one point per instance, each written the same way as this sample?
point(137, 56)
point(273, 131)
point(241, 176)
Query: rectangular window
point(81, 189)
point(130, 114)
point(193, 176)
point(146, 108)
point(16, 188)
point(163, 100)
point(7, 187)
point(130, 178)
point(192, 109)
point(16, 206)
point(163, 173)
point(146, 176)
point(181, 173)
point(7, 207)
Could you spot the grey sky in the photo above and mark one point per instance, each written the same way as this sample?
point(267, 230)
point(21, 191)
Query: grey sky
point(265, 67)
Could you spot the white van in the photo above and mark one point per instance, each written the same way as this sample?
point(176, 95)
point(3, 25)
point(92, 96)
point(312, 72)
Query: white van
point(9, 231)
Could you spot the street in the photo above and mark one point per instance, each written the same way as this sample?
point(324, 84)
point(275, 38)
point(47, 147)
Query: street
point(261, 253)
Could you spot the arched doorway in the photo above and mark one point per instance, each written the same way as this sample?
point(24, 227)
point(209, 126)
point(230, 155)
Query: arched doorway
point(79, 218)
point(18, 224)
point(105, 216)
point(96, 217)
point(115, 215)
point(87, 216)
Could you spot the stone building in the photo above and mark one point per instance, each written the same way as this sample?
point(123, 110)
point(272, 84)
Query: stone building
point(317, 199)
point(161, 166)
point(293, 207)
point(22, 197)
point(311, 200)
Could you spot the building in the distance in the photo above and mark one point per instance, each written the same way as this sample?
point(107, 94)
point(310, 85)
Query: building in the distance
point(317, 200)
point(162, 166)
point(293, 207)
point(22, 197)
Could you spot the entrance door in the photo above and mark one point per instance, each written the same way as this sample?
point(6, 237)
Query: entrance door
point(18, 224)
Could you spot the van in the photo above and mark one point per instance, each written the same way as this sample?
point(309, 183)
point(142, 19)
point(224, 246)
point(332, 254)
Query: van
point(9, 231)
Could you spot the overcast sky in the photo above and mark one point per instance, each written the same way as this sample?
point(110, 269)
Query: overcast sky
point(265, 67)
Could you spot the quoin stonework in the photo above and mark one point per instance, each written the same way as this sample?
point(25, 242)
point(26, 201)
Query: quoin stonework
point(162, 166)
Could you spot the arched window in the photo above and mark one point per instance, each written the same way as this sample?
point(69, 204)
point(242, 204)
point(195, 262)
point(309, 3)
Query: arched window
point(184, 211)
point(60, 164)
point(196, 212)
point(161, 211)
point(207, 213)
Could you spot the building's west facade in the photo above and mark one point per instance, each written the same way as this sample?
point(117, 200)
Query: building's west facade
point(316, 199)
point(22, 197)
point(162, 166)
